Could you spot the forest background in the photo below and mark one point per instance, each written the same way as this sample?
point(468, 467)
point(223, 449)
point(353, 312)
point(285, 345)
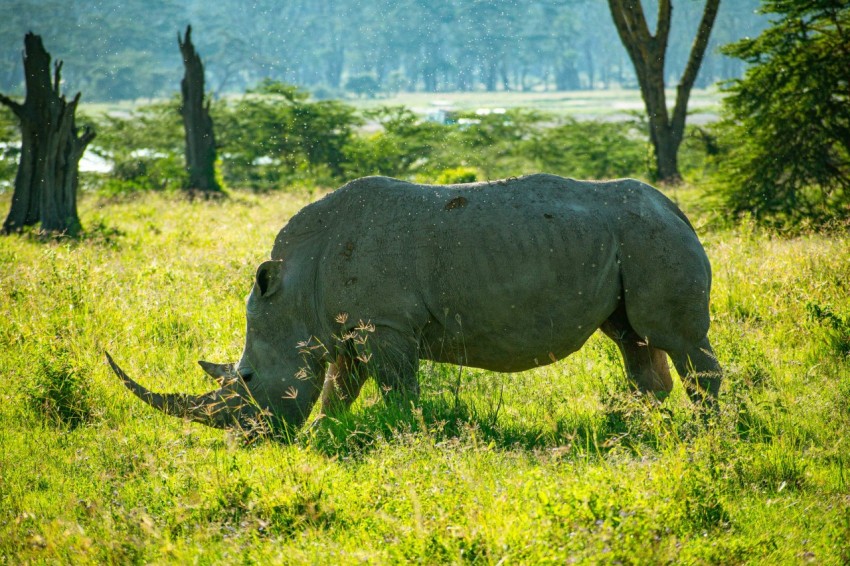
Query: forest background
point(370, 101)
point(126, 50)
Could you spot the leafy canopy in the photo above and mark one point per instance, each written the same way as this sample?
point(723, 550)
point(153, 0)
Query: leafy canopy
point(277, 136)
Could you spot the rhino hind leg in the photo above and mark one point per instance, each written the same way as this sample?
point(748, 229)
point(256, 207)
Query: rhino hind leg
point(700, 371)
point(646, 367)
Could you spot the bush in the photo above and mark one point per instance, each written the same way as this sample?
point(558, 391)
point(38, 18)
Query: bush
point(146, 148)
point(405, 146)
point(10, 140)
point(58, 392)
point(496, 143)
point(276, 134)
point(592, 149)
point(457, 175)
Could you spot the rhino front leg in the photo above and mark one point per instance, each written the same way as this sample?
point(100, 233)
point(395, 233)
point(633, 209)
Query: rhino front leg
point(394, 361)
point(700, 372)
point(343, 382)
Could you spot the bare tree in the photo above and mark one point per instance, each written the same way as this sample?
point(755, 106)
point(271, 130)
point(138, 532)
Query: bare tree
point(51, 147)
point(647, 52)
point(200, 139)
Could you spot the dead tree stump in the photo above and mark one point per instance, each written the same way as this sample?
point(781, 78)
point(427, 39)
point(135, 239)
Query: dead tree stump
point(200, 139)
point(51, 147)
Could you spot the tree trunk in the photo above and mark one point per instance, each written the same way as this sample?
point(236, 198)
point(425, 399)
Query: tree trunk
point(200, 139)
point(51, 147)
point(566, 75)
point(647, 53)
point(591, 65)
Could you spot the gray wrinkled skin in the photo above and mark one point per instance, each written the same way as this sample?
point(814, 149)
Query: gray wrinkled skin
point(505, 276)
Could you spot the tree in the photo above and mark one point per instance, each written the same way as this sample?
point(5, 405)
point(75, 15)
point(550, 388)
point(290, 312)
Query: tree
point(200, 138)
point(648, 53)
point(51, 148)
point(788, 118)
point(276, 133)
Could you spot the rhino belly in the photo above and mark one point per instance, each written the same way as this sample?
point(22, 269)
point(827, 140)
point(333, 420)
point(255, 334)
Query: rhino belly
point(519, 312)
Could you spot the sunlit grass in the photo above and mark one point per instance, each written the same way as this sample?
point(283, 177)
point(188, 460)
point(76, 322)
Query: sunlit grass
point(551, 465)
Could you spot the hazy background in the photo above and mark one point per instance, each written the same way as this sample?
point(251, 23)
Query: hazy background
point(119, 50)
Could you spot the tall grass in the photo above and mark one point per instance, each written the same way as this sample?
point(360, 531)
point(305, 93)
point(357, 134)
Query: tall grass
point(553, 465)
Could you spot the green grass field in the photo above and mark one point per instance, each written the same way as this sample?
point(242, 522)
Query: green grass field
point(613, 103)
point(561, 464)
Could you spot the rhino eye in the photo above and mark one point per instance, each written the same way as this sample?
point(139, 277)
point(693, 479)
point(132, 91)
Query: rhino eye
point(246, 374)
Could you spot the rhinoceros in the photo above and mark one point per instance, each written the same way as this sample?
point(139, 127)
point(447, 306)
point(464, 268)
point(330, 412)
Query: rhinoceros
point(505, 276)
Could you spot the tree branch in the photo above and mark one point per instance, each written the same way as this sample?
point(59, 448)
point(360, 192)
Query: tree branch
point(662, 31)
point(57, 75)
point(694, 61)
point(634, 12)
point(88, 135)
point(629, 29)
point(15, 107)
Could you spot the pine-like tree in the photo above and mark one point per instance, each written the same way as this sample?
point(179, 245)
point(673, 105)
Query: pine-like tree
point(788, 119)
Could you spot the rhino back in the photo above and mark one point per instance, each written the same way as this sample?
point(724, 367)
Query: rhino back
point(504, 275)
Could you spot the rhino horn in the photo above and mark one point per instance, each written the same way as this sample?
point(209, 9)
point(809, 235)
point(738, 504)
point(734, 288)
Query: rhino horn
point(222, 373)
point(221, 408)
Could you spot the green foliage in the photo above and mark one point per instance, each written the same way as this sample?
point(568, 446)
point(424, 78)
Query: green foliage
point(146, 148)
point(403, 147)
point(457, 175)
point(498, 145)
point(787, 130)
point(10, 147)
point(592, 149)
point(522, 142)
point(58, 391)
point(276, 135)
point(558, 464)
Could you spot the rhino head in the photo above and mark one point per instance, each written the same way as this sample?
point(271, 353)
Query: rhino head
point(276, 382)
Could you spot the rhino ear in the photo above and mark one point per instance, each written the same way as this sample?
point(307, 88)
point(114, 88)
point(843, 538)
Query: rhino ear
point(269, 277)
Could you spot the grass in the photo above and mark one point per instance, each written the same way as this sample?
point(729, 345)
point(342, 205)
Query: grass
point(550, 466)
point(611, 104)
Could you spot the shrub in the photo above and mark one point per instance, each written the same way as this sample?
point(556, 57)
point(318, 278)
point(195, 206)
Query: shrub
point(10, 140)
point(58, 392)
point(405, 146)
point(591, 149)
point(275, 134)
point(145, 147)
point(457, 175)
